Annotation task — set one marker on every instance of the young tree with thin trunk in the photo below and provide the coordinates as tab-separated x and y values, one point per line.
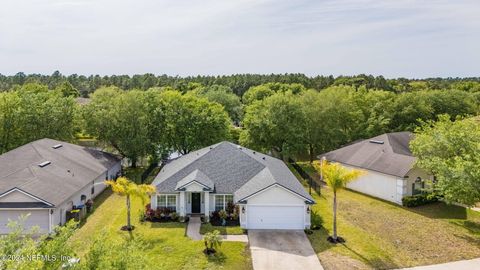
337	177
124	187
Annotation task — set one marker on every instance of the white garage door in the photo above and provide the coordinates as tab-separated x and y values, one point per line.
275	217
37	218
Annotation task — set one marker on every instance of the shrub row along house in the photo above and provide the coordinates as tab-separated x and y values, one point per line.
46	179
262	188
387	158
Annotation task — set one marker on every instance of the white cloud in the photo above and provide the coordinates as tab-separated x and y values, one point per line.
412	38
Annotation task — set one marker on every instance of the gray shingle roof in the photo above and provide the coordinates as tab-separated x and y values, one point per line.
232	169
392	157
72	167
197	176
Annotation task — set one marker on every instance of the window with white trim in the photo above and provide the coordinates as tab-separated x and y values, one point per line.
221	201
167	201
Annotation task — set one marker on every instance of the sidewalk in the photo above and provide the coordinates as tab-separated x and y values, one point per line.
193	231
459	265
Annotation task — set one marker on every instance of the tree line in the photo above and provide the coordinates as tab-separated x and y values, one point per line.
239	83
298	121
284	119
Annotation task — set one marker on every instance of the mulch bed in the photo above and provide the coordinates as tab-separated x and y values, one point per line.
165	220
218	222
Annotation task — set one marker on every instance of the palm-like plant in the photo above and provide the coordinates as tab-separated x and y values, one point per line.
124	187
337	177
212	241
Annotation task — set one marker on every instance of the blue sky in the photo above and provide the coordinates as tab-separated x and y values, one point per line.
410	38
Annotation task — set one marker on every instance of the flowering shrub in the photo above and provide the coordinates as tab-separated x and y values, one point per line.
160	214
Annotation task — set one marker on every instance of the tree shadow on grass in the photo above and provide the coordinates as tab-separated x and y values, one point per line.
440	210
218	258
376	262
471	226
471	239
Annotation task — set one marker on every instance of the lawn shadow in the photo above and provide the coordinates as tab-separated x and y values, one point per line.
376	262
440	210
218	258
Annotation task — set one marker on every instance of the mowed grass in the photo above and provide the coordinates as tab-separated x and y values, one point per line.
224	230
169	247
383	235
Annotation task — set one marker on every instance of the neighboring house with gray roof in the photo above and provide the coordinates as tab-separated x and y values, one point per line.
389	163
46	178
265	191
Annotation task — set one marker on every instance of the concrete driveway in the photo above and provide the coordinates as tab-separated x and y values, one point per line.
282	249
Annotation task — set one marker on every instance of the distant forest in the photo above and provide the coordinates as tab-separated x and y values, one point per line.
289	115
239	83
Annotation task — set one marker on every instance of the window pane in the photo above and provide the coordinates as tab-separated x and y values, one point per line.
228	198
161	201
172	202
218	202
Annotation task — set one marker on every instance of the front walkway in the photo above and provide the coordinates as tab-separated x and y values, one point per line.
193	231
193	228
459	265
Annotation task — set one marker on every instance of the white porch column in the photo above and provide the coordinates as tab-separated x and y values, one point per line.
182	203
207	205
153	201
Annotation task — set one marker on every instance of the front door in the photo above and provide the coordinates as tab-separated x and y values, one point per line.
195	202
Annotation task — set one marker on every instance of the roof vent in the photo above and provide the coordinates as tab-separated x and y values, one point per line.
254	152
239	147
43	164
263	158
376	142
56	146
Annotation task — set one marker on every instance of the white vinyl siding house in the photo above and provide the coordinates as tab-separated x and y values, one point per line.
47	178
265	192
390	168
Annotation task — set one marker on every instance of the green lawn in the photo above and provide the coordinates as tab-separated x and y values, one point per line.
224	230
170	248
384	235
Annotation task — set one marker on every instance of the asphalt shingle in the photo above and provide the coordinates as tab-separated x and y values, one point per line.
388	153
233	169
72	167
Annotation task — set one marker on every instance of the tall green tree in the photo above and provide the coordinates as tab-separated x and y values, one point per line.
275	124
450	150
33	112
192	122
121	120
67	89
263	91
224	96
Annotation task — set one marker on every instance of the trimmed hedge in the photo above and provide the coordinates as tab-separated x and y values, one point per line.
419	199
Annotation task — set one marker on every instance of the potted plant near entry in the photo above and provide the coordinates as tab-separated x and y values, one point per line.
223	215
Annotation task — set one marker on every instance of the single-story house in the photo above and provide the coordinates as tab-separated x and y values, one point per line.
389	163
46	178
262	187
